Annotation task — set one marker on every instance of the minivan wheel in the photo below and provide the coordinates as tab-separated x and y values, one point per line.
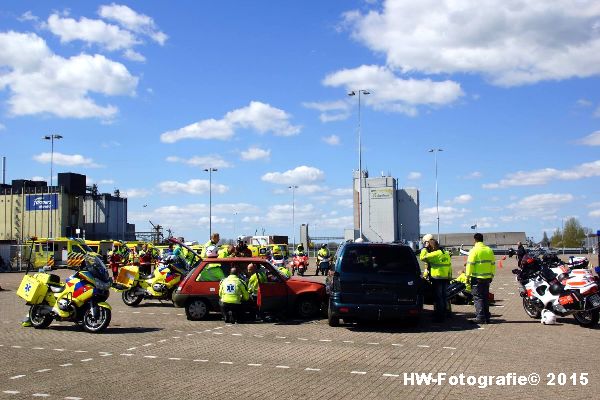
331	319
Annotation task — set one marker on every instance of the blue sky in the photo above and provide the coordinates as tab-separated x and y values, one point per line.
148	94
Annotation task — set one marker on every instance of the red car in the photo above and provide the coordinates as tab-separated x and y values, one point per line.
277	295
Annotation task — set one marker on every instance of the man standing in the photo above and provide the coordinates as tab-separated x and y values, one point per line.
520	253
481	267
439	266
214	241
231	293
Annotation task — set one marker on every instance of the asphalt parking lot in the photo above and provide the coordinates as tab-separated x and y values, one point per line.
154	351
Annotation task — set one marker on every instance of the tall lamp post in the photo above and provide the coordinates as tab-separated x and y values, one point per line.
354	93
51	138
437	195
235	213
293	187
210	171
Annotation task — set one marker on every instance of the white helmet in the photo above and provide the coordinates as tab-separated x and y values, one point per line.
427	237
548	317
212	252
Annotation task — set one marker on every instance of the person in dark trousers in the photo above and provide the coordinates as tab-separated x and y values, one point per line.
481	267
520	253
232	291
439	271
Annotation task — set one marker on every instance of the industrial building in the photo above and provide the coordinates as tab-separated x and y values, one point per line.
34	209
388	214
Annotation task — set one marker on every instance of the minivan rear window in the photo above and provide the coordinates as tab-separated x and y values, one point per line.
379	259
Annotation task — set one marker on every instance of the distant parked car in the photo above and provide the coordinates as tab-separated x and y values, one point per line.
278	295
374	281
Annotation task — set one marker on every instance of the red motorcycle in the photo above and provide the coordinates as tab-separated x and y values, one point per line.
299	264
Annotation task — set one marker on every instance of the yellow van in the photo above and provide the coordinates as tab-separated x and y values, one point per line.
57	252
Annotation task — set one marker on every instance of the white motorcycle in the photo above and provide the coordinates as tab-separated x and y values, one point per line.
560	290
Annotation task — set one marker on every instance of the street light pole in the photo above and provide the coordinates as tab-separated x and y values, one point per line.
235	213
51	139
437	195
210	171
354	93
293	187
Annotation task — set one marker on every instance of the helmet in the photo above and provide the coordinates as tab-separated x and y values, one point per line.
324	246
427	237
548	317
212	252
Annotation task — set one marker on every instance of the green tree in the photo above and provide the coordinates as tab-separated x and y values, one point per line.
545	241
573	235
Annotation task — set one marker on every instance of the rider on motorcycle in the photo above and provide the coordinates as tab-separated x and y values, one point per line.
322	254
299	250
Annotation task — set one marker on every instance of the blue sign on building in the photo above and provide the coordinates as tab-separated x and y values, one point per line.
38	202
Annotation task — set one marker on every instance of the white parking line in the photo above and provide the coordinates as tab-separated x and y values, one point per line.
147	344
236	334
162	341
254	365
17	376
176	337
136	312
58	349
87	359
200	360
217	333
11	391
391	375
280	337
397	344
226	362
40	395
105	354
174	358
73	398
282	366
510	293
43	370
17	347
348	341
126	354
449	348
80	351
422	345
131	348
301	338
312	369
373	343
65	365
358	372
149	356
38	348
324	340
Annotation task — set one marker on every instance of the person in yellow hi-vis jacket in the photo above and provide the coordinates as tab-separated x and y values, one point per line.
232	291
481	268
439	269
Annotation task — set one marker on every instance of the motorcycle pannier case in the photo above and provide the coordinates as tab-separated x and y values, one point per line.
32	290
127	275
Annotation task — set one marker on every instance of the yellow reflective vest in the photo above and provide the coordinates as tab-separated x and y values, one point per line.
211	273
285	272
254	281
481	262
440	265
462	278
232	290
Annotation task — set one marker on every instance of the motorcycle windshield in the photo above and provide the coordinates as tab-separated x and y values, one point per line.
97	270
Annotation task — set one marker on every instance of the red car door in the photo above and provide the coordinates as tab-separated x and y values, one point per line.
272	295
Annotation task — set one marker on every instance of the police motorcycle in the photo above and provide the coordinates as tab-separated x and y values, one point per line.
158	285
80	299
323	264
299	264
549	289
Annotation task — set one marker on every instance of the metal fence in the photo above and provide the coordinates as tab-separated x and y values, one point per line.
14	257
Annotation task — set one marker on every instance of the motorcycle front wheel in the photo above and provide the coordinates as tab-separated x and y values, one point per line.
98	324
40	317
131	299
531	309
587	319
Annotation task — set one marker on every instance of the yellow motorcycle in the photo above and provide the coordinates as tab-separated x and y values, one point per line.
80	299
159	285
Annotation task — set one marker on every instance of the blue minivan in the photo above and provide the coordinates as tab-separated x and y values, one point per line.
374	281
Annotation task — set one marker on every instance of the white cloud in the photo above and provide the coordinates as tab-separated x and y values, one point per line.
110	144
255	153
594	213
597	112
136	193
42	82
447	215
511	43
297	176
414	175
584	103
28	16
133	21
391	93
331	110
542	176
71	160
473	175
193	186
88	30
540	204
257	116
209	161
593	139
462	199
483	223
347	203
2	127
341	192
332	140
38	178
133	55
106	182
